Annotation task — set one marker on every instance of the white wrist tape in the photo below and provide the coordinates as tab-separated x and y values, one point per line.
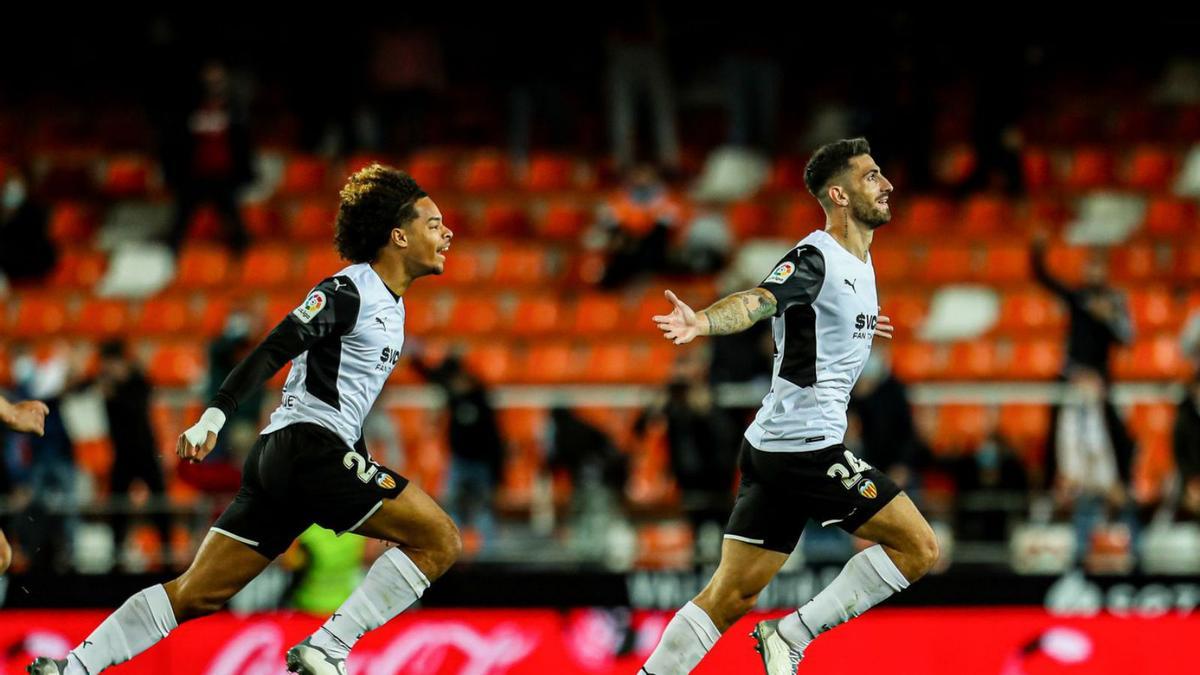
212	420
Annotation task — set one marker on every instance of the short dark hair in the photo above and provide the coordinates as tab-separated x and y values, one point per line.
829	160
374	201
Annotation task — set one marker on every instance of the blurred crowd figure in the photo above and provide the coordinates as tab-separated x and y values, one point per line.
636	226
476	446
26	252
207	156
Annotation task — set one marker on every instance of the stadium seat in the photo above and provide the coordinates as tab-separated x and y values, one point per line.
179	364
420	316
486	172
39	316
492	362
433	170
550	362
504	219
162	316
1137	262
126	176
751	219
961	426
521	264
261	219
608	363
1091	169
787	175
563	219
1004	264
1156	358
1037	168
1154	309
1035	359
318	263
466	264
916	361
1030	311
1187	263
539	314
312	221
1025	425
986	215
101	319
203	267
926	215
1150	168
303	175
972	360
549	172
474	315
71	223
801	216
906	309
266	268
1169	216
946	264
596	314
1067	263
79	268
891	263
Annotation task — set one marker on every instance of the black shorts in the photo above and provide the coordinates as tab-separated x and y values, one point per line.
780	491
300	475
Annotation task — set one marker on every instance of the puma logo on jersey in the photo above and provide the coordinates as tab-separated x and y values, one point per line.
382	324
337	285
851	284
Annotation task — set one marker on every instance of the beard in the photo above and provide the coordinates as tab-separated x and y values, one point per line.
869	213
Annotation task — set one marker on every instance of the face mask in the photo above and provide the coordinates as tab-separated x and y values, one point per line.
14	194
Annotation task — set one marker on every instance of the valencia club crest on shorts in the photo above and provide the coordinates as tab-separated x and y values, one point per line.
385	481
867	489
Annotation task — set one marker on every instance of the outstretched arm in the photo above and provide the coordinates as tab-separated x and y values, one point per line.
731	314
25	417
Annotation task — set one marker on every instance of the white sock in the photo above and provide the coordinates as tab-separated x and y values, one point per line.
136	626
688	637
869	578
392	584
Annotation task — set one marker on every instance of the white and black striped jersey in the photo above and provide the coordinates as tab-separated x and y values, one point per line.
824	324
343	341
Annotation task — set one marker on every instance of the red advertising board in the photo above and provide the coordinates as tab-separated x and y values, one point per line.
599	642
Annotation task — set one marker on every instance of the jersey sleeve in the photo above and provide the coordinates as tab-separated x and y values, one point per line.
797	279
330	310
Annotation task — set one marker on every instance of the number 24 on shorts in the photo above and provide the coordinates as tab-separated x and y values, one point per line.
849	479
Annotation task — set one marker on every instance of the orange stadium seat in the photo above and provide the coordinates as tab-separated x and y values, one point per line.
466	264
1135	262
40	316
1036	359
1153	310
986	215
961	425
946	264
504	219
1169	216
126	176
101	319
563	219
787	175
1004	264
177	364
1187	263
537	315
608	362
906	309
1037	167
303	175
71	223
312	221
493	363
750	219
1030	311
892	263
1157	358
79	268
916	361
927	215
203	267
801	216
164	316
261	219
596	314
1067	263
432	169
972	360
521	264
266	267
318	263
549	172
420	316
550	362
1025	425
475	315
214	314
1091	168
487	171
1150	168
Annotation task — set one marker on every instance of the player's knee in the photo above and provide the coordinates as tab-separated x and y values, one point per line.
452	545
5	555
726	604
926	550
189	602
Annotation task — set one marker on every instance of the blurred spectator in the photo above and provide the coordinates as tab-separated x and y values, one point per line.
26	252
206	157
43	468
1187	448
325	568
476	448
126	393
1189	339
1090	461
890	440
597	470
702	441
637	73
752	83
707	241
992	484
1099	318
636	225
